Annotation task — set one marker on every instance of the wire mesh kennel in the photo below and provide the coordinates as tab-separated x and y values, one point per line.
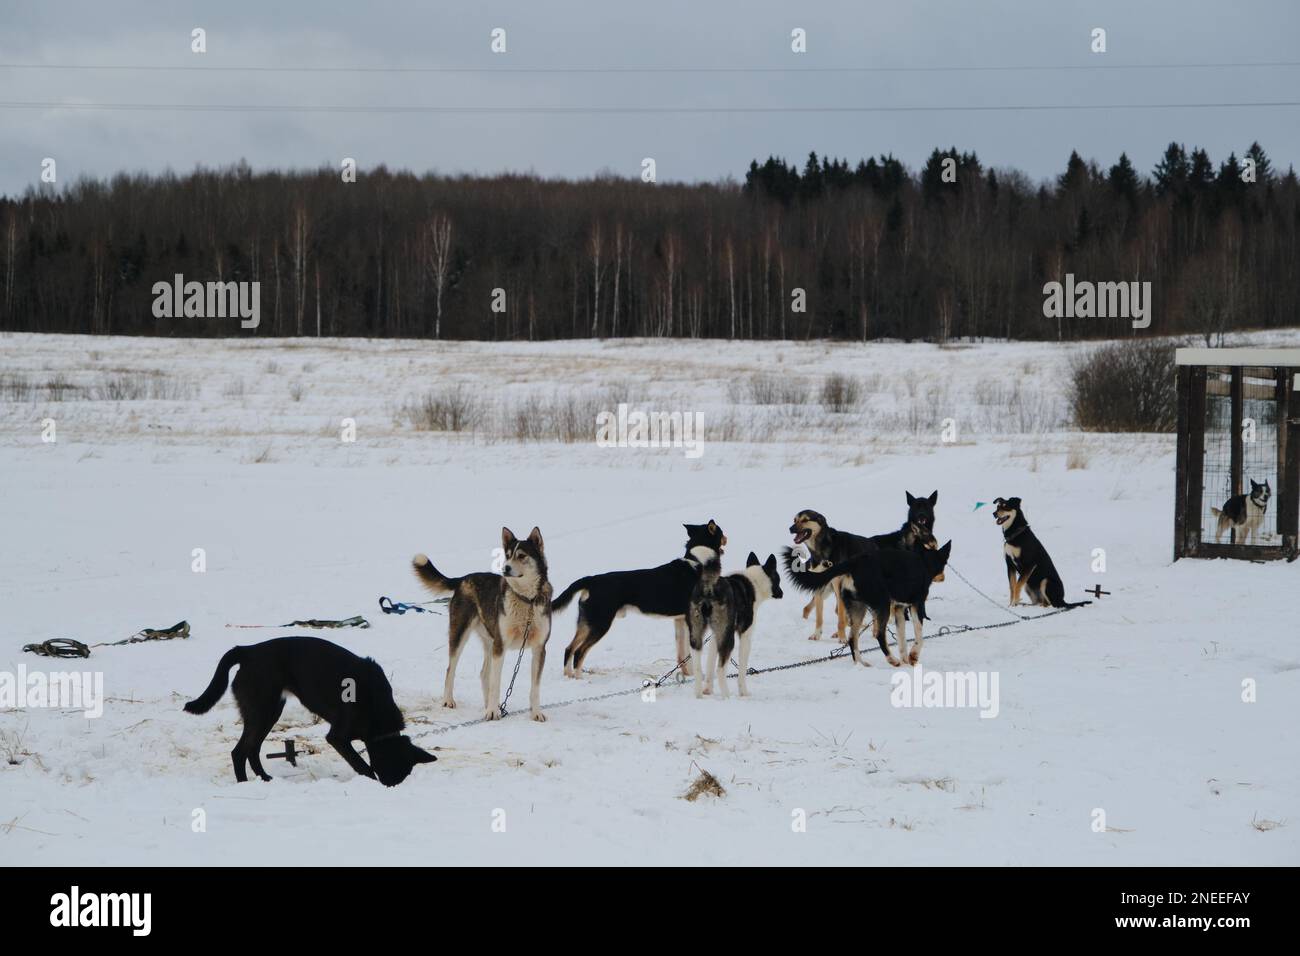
1238	435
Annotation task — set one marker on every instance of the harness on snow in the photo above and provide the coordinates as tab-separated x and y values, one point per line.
67	647
389	606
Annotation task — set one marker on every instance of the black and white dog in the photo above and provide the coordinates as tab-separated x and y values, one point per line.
727	606
1243	513
663	591
1029	566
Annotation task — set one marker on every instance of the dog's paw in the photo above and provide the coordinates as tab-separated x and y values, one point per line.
450	703
815	636
539	717
894	661
913	657
492	714
265	776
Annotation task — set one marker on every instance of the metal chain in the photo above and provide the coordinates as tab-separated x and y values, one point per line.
837	654
676	667
996	603
528	629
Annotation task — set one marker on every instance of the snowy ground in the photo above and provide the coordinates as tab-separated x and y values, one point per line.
1132	706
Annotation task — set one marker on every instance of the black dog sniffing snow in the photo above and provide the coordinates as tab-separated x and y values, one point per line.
351	693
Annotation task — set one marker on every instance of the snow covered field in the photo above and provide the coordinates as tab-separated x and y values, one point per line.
1132	706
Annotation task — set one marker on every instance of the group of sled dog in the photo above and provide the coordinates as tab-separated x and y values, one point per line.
885	575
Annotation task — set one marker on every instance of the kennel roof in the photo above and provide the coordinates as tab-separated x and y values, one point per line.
1269	358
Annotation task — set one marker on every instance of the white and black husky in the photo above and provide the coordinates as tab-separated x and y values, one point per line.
727	606
1243	513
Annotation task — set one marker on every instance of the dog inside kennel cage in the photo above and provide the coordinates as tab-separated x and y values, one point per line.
1238	459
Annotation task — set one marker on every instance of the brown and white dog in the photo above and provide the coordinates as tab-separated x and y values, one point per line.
507	610
885	582
827	546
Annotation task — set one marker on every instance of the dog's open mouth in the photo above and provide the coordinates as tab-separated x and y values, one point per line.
1001	518
802	535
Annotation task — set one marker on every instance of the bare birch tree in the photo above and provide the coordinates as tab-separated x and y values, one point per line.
595	247
439	262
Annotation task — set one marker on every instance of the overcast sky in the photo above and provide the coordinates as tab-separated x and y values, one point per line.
658	34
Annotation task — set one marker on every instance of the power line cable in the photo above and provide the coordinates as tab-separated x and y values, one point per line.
995	68
703	110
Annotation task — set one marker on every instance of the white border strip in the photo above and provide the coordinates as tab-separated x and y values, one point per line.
1266	357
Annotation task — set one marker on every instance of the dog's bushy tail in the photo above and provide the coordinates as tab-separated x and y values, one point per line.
561	602
433	579
1066	605
220	680
812	581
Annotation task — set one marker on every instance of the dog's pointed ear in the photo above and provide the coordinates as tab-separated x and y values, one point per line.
419	755
770	563
934	498
910	500
535	536
946	550
507	538
751	560
712	526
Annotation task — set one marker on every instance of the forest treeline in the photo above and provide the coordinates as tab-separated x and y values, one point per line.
878	250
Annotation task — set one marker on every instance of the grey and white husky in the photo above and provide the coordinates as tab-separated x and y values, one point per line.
727	606
1243	513
506	610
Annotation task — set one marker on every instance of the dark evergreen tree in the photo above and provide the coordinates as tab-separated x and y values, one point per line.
1075	176
1201	176
1172	172
812	183
1263	166
1123	178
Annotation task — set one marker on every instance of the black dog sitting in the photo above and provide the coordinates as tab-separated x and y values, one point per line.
1029	567
351	693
